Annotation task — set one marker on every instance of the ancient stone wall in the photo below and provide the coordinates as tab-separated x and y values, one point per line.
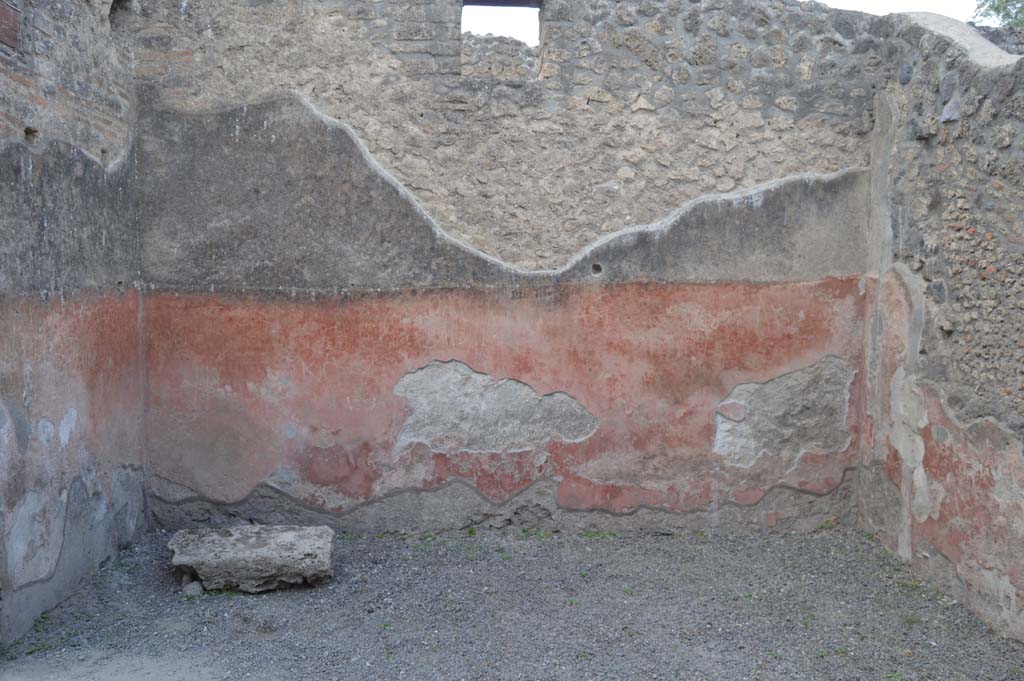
71	477
728	262
1007	39
632	110
595	387
71	473
950	319
497	58
64	76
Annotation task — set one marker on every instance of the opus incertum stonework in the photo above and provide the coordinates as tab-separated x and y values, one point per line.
688	264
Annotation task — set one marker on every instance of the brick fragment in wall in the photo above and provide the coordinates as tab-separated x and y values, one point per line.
64	75
10	26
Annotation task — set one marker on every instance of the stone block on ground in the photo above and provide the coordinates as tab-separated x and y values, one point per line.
255	558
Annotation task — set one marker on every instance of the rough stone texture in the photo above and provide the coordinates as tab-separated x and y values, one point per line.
308	208
873	177
948	365
69	79
1009	39
798	413
497	58
255	558
636	107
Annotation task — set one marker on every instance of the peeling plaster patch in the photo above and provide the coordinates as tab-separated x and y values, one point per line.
456	409
35	537
290	482
909	415
67	426
795	413
3	434
927	498
45	431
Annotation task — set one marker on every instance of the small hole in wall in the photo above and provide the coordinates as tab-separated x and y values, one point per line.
119	12
120	287
596	268
103	154
511	19
31	134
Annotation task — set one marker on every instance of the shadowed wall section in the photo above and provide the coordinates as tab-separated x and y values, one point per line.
71	474
70	444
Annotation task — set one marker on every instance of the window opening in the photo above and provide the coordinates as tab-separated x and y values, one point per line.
512	19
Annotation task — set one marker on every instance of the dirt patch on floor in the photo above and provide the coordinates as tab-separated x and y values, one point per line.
531	605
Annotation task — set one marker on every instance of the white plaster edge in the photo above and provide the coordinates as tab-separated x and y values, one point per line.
752	194
979	49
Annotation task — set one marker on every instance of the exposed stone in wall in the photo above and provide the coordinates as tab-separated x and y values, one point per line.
71	478
68	78
456	408
958	184
1008	39
950	362
636	108
497	58
308	208
318	394
805	411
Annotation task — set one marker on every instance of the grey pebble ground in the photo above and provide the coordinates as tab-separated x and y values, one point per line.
531	605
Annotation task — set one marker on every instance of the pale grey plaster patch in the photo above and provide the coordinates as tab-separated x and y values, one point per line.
457	409
797	412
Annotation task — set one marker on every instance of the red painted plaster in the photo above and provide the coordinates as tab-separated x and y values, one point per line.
240	386
81	353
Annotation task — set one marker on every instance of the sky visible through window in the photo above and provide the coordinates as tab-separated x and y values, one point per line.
523	23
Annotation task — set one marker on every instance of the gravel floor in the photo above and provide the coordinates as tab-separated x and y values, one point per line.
531	605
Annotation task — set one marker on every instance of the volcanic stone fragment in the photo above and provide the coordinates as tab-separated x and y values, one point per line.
255	558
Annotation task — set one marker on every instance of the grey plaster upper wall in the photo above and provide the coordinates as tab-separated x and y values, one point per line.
65	221
276	195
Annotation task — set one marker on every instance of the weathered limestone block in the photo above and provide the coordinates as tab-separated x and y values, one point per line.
255	558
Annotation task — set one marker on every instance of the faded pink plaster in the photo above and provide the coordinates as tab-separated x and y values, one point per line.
239	387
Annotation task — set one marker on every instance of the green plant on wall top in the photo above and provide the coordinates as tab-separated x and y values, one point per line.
1009	13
